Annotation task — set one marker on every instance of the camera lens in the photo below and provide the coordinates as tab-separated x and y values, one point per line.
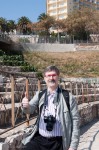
49	126
49	120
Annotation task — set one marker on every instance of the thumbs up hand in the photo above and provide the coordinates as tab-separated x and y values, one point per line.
25	101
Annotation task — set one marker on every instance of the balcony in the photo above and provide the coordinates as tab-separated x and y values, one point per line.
51	2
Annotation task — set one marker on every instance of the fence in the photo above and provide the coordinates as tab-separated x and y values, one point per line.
64	39
61	39
84	91
14	85
51	39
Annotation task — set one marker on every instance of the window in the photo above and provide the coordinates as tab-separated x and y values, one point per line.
62	10
53	13
62	17
53	6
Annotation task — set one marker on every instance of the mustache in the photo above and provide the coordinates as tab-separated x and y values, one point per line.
52	81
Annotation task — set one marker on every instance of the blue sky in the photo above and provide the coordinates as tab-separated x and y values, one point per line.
14	9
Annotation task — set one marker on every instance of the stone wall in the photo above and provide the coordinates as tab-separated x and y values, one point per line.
48	47
44	47
87	112
10	68
5	115
87	47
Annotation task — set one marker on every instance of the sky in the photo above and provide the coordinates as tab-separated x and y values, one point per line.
15	9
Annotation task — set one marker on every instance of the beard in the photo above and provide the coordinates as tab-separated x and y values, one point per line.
52	83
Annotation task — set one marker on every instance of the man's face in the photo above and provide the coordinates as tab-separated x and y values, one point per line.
51	79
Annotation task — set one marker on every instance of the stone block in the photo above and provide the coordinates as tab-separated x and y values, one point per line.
14	140
4	146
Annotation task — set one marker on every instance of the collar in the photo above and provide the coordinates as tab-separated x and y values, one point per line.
54	92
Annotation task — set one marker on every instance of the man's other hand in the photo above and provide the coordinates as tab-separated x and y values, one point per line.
25	102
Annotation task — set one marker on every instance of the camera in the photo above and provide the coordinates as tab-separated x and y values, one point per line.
49	120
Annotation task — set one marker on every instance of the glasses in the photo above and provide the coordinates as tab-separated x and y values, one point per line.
51	75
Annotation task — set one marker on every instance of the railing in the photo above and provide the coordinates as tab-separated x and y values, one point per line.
50	39
84	91
14	85
66	39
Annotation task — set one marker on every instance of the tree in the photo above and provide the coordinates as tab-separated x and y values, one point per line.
3	23
42	17
80	23
45	22
37	28
92	26
58	28
23	23
11	25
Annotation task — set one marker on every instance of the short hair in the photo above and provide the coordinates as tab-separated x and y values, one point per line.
51	68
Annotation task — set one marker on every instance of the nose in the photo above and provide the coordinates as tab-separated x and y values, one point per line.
51	77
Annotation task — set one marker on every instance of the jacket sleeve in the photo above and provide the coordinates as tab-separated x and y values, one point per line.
75	119
33	104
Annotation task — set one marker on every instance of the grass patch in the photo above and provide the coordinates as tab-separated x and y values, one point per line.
71	64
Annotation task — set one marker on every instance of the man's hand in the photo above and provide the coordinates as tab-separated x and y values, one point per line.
25	102
70	149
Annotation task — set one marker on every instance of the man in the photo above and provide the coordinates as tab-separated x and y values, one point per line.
57	127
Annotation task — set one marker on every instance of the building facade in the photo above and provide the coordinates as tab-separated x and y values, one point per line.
60	9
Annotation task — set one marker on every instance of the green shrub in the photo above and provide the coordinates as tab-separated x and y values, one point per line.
39	75
28	68
16	60
7	62
13	57
1	53
24	40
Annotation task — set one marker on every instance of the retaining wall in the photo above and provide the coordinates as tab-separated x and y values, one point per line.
44	47
48	47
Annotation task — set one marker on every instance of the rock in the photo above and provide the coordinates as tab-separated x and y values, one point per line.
4	146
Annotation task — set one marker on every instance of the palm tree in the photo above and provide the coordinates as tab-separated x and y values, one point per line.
45	22
22	24
11	25
42	16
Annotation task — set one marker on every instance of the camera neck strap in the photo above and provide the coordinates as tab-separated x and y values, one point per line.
46	102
